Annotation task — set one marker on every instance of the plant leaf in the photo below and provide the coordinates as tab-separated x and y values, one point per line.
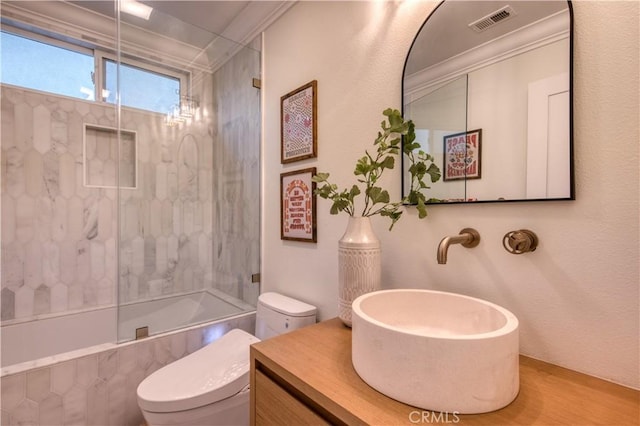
320	177
434	172
388	162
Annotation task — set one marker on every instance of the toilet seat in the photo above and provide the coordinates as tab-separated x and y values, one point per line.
185	384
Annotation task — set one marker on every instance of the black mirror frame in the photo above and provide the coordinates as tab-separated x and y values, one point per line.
572	189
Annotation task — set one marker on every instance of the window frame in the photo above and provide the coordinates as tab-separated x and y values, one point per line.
54	42
100	56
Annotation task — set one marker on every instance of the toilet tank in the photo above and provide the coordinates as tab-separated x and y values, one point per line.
279	314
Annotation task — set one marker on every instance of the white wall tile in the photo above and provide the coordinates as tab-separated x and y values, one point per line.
43	216
87	370
177	218
24	302
50	263
178	345
34	255
67	175
75	296
51	411
42	300
74	406
67	261
23	127
33	173
38	384
63	376
172	182
107	364
13	171
41	129
8	220
14	390
59	133
161	181
105	219
59	298
51	174
105	292
26	413
117	400
59	219
98	403
188	217
83	261
110	259
137	258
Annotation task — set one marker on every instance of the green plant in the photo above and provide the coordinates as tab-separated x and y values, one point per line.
369	170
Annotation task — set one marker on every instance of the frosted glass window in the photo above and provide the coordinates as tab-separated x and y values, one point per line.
141	88
42	66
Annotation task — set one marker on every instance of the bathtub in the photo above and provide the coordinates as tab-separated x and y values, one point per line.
54	338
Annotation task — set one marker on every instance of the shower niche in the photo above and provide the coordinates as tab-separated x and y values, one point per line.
109	157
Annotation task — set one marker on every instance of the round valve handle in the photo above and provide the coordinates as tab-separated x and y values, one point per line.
519	242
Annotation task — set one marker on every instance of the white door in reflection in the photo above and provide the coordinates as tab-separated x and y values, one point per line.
548	134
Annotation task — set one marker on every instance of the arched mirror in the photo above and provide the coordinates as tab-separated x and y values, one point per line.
488	86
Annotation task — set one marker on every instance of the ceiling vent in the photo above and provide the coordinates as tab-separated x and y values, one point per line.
493	18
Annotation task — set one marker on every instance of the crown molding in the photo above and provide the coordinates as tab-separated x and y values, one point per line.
530	37
75	24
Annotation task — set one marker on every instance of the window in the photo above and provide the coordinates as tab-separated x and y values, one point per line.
42	66
61	68
141	88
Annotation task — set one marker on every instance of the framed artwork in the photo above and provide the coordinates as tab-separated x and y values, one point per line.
298	124
298	206
462	155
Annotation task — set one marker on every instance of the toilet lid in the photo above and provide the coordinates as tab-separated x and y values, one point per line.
286	305
215	372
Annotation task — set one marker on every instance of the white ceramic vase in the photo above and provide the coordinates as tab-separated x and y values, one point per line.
359	264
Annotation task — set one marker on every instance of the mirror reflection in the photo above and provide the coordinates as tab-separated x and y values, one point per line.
488	86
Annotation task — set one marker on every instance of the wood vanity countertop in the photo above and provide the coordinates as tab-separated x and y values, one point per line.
316	361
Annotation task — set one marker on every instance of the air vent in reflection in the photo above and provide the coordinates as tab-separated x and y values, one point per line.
493	18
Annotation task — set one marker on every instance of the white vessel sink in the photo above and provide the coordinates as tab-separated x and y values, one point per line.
435	350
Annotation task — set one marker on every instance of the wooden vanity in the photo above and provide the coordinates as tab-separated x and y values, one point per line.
306	378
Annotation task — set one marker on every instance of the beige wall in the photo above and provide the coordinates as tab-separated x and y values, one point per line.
577	295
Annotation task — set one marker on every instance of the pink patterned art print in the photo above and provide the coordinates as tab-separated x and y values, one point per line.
462	155
299	124
298	206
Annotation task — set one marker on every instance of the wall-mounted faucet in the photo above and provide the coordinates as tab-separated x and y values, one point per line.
468	237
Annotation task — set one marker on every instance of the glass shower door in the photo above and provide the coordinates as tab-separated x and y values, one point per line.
188	243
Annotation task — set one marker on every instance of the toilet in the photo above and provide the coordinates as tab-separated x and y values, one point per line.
211	385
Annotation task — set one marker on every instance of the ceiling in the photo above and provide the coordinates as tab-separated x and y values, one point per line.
198	34
446	33
212	16
195	22
225	24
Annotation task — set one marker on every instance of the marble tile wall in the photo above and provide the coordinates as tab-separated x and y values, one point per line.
191	223
236	158
107	155
58	236
100	388
166	232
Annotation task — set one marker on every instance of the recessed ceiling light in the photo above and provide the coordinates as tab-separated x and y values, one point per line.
135	8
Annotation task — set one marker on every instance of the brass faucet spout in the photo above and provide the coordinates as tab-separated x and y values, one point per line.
468	237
